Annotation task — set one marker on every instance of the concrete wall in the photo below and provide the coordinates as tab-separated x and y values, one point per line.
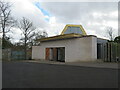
38	52
77	49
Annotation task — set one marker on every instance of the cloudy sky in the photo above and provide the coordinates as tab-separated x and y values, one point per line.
53	16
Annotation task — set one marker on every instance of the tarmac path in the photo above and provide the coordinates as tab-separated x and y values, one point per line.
41	75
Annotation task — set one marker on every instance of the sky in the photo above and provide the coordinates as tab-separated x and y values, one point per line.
53	16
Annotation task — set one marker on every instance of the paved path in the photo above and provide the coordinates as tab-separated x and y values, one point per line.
41	75
97	64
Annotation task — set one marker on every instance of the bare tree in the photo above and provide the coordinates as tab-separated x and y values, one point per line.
110	33
45	34
27	28
34	40
6	21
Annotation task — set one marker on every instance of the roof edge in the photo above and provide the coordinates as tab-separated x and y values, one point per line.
65	36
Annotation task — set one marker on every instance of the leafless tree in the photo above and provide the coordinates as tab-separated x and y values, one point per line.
34	40
27	28
6	21
110	33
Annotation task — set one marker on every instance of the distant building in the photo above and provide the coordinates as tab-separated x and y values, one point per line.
72	45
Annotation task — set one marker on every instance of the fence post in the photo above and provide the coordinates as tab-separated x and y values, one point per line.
111	51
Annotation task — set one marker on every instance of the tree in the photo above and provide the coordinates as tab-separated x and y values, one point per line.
6	21
110	33
7	43
27	28
36	36
45	34
117	39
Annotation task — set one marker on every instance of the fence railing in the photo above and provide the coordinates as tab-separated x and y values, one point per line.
108	52
9	54
111	52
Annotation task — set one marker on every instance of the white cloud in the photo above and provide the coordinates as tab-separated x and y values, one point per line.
52	20
46	17
114	14
54	28
27	9
16	34
93	16
78	0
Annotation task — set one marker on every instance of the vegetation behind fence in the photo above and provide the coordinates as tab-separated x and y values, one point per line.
111	52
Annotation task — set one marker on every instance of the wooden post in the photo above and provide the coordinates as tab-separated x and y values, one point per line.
47	53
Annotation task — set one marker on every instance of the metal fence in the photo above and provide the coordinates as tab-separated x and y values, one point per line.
18	55
111	52
108	52
9	54
6	54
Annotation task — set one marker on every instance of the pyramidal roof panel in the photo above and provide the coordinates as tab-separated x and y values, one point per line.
76	29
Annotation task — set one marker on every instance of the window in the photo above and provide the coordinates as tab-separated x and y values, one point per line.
73	30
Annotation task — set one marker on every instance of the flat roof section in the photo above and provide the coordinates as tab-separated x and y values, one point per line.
64	36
